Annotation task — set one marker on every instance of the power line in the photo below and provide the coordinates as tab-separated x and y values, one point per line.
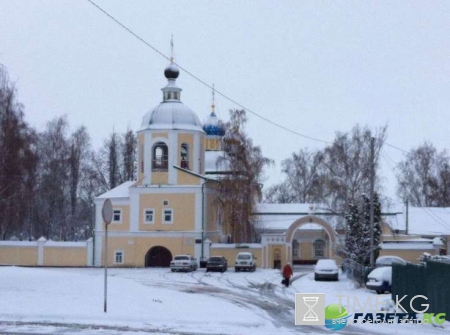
395	147
202	81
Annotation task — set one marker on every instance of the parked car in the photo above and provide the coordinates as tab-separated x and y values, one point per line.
183	263
245	261
326	269
380	279
216	263
388	261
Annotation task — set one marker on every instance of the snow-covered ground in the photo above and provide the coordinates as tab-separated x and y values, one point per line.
156	301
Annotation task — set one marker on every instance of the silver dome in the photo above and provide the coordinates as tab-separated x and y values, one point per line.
171	115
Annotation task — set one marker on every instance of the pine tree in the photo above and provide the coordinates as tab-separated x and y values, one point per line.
357	244
354	233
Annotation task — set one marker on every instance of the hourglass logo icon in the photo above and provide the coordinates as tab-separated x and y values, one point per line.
310	308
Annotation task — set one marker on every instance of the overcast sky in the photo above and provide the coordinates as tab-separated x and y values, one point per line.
316	67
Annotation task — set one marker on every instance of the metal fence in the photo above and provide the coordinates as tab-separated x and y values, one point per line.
431	279
357	272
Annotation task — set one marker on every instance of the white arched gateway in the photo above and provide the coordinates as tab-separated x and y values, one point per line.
277	247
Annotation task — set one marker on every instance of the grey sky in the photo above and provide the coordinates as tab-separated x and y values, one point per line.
313	66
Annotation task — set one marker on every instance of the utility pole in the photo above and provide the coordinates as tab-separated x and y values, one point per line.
372	186
407	216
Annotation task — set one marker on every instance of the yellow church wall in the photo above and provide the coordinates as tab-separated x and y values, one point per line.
185	178
212	217
162	134
124	225
54	256
183	206
161	178
408	255
212	143
306	251
135	248
398	237
12	255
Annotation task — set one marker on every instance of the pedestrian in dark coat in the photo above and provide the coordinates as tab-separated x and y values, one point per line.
287	274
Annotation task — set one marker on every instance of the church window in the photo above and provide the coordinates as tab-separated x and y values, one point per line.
319	248
118	257
295	246
167	216
184	152
160	161
149	215
117	216
175	96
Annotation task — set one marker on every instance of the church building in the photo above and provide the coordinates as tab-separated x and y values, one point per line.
170	209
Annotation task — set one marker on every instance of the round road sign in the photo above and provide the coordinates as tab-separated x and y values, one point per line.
107	211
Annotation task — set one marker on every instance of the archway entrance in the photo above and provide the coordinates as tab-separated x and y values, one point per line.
158	257
315	239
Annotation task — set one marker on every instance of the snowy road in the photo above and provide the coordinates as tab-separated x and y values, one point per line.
156	301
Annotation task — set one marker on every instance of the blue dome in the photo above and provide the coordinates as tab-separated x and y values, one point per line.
214	126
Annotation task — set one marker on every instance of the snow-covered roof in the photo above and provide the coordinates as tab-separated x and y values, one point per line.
211	162
120	191
171	115
266	208
422	221
281	216
405	245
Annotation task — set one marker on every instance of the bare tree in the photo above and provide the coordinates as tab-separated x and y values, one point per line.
241	188
279	193
54	179
79	152
347	165
302	174
334	176
17	161
424	177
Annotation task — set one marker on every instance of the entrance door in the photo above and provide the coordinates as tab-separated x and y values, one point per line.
158	257
277	258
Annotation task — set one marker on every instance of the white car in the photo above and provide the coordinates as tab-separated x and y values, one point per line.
389	260
326	269
245	261
183	263
380	279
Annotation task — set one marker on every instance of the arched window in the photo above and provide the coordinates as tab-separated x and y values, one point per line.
295	246
319	248
160	156
184	153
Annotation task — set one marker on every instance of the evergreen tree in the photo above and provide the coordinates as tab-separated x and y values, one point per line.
353	238
357	244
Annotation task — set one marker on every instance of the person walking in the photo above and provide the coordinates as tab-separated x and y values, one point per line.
287	274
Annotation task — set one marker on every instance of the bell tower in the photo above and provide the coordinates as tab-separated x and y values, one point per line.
171	138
